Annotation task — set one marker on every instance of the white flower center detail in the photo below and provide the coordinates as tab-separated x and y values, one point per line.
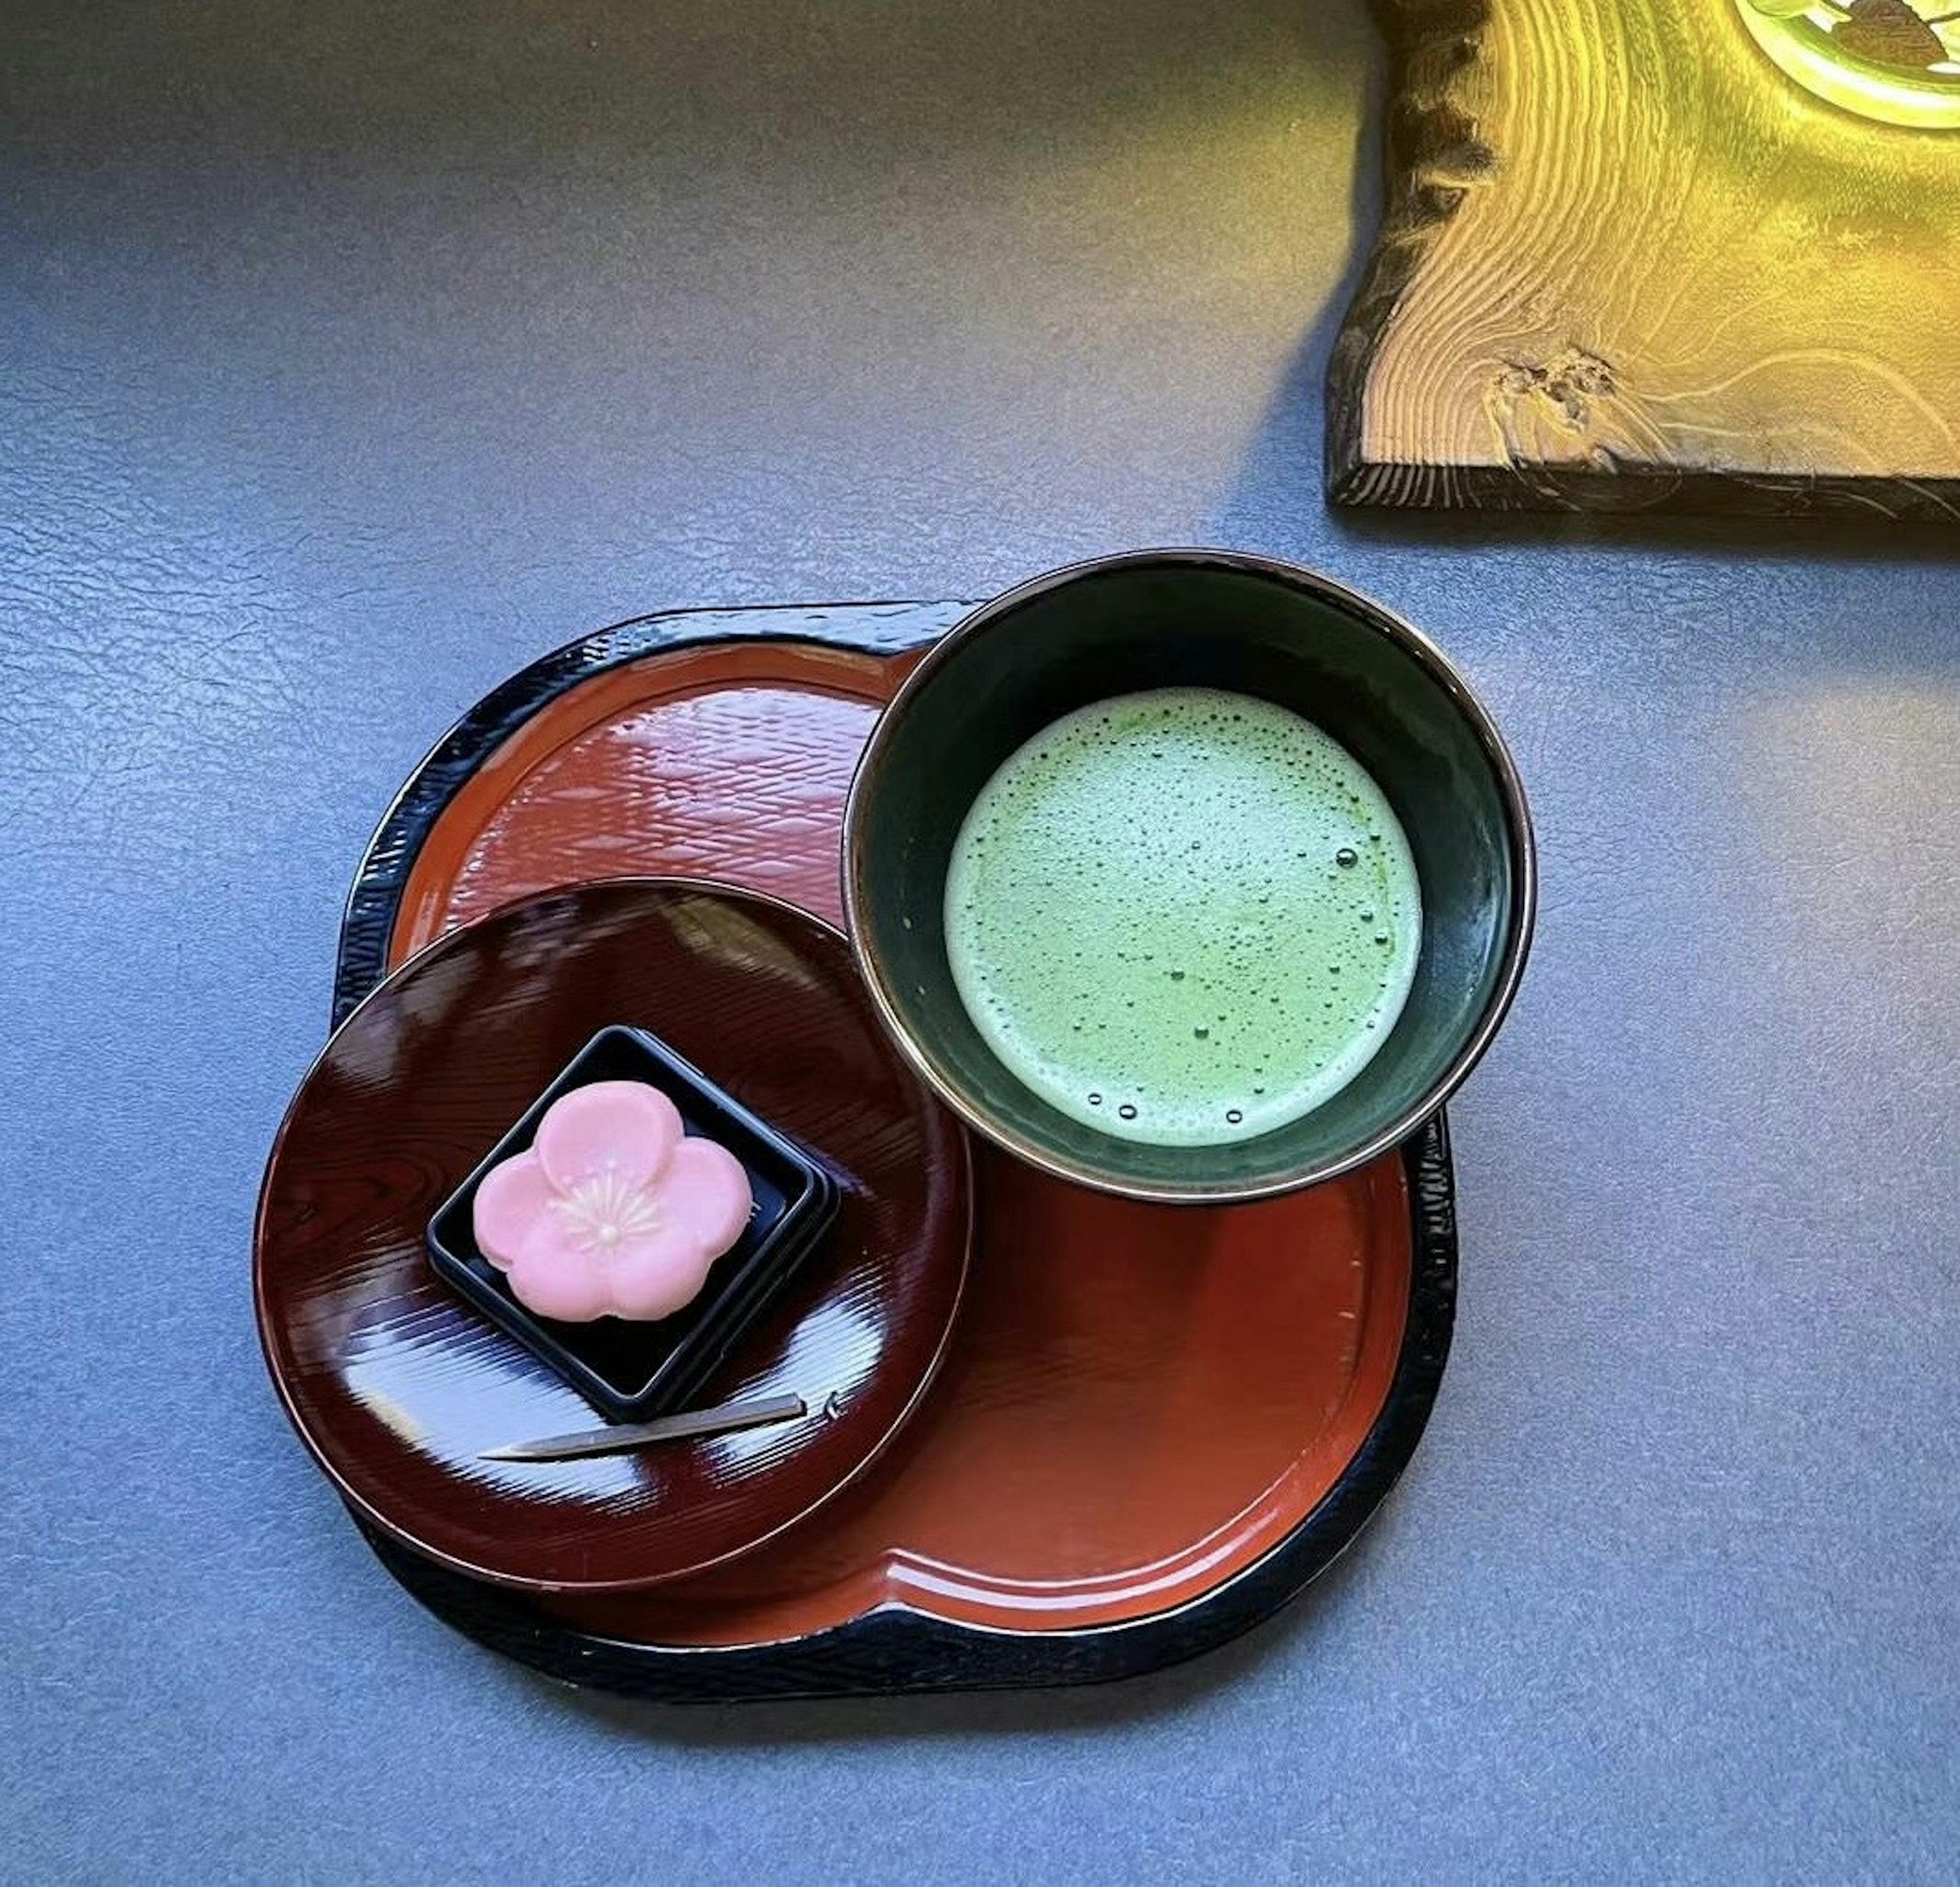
601	1213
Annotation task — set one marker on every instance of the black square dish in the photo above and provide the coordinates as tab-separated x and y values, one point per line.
630	1370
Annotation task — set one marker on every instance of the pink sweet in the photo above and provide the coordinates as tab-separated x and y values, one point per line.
613	1211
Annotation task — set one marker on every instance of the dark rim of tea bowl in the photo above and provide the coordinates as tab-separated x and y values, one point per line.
1214	619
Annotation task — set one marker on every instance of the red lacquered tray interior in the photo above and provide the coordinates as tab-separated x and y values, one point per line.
1139	1400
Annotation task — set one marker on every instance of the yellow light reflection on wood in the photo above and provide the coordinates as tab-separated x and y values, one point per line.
1626	263
1884	60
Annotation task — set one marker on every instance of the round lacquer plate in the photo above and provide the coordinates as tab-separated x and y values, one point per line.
399	1386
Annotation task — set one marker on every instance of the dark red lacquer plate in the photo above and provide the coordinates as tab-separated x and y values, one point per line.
399	1385
1153	1426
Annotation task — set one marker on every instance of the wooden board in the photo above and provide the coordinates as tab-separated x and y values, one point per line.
1626	263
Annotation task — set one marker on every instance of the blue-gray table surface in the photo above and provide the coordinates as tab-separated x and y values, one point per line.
352	356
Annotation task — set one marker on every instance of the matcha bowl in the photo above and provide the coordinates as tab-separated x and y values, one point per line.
1186	619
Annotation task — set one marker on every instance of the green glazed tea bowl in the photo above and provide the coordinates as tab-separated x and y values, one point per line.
1210	619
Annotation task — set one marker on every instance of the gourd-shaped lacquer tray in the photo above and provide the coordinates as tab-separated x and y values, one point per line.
1152	1426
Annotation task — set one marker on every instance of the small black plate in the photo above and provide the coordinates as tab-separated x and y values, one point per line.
630	1371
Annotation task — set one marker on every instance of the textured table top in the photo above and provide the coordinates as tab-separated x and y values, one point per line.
355	354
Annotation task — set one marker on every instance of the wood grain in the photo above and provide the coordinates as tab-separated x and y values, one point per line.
1626	263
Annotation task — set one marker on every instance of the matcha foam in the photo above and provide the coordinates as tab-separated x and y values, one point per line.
1186	917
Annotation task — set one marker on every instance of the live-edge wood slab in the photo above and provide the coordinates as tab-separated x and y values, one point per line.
1627	262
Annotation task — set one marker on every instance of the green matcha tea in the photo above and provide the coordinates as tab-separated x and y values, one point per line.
1186	917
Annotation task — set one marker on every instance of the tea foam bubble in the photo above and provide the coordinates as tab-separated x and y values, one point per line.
1185	917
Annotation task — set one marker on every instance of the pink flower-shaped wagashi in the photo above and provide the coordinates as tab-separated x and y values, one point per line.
613	1212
